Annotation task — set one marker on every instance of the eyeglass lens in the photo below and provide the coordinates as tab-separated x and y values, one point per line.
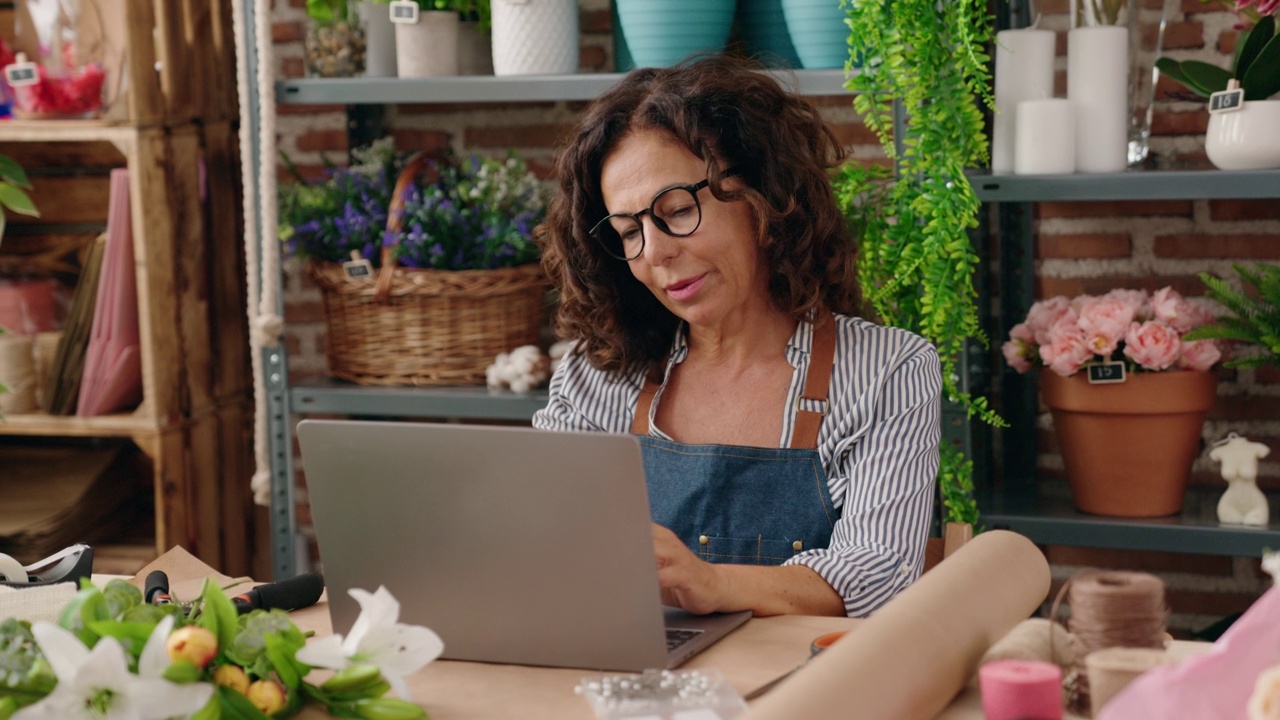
675	211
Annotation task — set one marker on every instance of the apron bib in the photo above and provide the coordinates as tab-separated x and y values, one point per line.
736	504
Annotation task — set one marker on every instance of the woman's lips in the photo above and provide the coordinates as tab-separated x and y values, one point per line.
685	289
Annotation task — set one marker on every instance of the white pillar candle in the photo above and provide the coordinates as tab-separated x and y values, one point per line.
1097	84
379	40
1046	137
1024	71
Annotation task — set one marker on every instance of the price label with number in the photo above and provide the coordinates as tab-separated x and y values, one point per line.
1226	101
1107	372
404	12
22	73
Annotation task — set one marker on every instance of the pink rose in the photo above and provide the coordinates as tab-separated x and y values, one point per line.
1105	320
1066	349
1154	345
1015	353
1022	331
1199	355
1043	314
1137	299
1168	306
1198	313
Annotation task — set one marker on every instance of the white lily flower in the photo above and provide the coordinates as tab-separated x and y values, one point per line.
377	638
97	685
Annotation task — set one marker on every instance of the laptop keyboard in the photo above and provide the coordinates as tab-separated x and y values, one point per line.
677	637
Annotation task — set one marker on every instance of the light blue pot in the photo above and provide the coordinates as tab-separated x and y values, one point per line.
661	33
622	61
764	32
818	32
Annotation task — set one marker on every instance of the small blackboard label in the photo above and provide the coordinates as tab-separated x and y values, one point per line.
1107	372
22	73
356	269
404	12
1226	101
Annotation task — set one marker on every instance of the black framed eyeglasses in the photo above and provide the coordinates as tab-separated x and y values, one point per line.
675	210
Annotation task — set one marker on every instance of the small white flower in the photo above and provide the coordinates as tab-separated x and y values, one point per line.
97	684
377	638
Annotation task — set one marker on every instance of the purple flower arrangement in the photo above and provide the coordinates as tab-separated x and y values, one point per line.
477	214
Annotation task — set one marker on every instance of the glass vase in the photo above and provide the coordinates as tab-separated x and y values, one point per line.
1146	24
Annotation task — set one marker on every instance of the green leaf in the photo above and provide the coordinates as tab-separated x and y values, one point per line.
1263	77
181	672
12	173
237	707
17	200
1205	77
132	635
1249	43
280	654
218	615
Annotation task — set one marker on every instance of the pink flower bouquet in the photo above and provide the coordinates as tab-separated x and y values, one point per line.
1143	330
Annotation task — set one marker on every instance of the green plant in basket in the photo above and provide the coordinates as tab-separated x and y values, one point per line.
1255	64
479	215
112	656
346	211
1254	319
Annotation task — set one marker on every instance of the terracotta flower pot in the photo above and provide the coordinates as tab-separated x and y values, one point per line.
1128	447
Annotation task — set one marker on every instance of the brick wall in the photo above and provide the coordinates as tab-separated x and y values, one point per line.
1081	247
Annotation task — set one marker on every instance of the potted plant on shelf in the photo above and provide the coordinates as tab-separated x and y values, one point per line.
444	275
1128	392
427	40
13	196
1242	135
335	42
916	262
1252	324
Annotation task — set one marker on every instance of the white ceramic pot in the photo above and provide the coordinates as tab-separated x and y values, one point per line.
429	47
1246	139
535	37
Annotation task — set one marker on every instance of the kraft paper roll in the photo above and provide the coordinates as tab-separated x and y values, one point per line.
1024	71
911	658
1098	86
1111	669
1021	689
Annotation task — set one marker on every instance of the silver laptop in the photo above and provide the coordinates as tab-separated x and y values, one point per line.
514	545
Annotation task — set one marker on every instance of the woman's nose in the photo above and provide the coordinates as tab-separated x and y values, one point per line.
659	246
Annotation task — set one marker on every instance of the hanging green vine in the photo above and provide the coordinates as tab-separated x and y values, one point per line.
917	263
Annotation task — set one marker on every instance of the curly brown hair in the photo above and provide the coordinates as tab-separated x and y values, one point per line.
741	122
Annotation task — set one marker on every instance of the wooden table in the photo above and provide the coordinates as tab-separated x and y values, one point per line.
752	655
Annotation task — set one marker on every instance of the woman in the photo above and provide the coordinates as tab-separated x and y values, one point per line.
707	277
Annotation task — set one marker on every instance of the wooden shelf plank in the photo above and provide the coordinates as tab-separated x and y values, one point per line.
122	425
65	131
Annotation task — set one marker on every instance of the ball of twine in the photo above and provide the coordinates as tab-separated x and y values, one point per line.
18	374
1033	639
1111	609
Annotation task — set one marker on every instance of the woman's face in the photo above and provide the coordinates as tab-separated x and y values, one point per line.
713	277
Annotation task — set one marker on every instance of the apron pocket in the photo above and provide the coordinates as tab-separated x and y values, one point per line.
757	550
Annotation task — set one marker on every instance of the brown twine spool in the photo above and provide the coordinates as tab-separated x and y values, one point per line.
1110	609
1111	669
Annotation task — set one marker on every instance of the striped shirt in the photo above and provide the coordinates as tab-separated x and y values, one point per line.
878	445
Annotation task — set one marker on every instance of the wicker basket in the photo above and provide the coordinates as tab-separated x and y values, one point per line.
407	326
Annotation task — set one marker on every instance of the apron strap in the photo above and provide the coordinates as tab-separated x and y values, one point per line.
816	384
822	357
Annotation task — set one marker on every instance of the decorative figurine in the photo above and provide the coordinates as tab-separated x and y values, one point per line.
1243	503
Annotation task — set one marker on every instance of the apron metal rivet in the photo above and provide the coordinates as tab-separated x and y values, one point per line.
703	539
797	546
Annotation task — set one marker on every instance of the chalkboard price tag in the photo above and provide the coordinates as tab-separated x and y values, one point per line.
404	12
357	267
1226	101
1107	372
22	73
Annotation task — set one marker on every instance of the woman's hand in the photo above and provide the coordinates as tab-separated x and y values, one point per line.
686	581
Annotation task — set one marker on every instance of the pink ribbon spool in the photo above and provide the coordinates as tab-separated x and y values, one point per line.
1021	690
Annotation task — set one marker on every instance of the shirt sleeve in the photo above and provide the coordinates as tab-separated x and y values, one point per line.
888	468
583	399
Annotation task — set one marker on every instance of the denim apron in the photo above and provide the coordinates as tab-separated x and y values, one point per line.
751	505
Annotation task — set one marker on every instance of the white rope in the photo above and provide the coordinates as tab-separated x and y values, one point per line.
262	278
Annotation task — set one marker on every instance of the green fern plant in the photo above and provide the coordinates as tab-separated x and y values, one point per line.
1254	320
1255	64
916	262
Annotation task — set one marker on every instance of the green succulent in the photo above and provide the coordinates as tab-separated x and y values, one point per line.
1256	65
327	11
1254	319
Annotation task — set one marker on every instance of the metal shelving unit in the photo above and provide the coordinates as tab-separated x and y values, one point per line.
1023	502
470	403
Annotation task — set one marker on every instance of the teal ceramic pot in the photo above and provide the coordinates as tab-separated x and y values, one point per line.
764	32
818	32
661	33
622	61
